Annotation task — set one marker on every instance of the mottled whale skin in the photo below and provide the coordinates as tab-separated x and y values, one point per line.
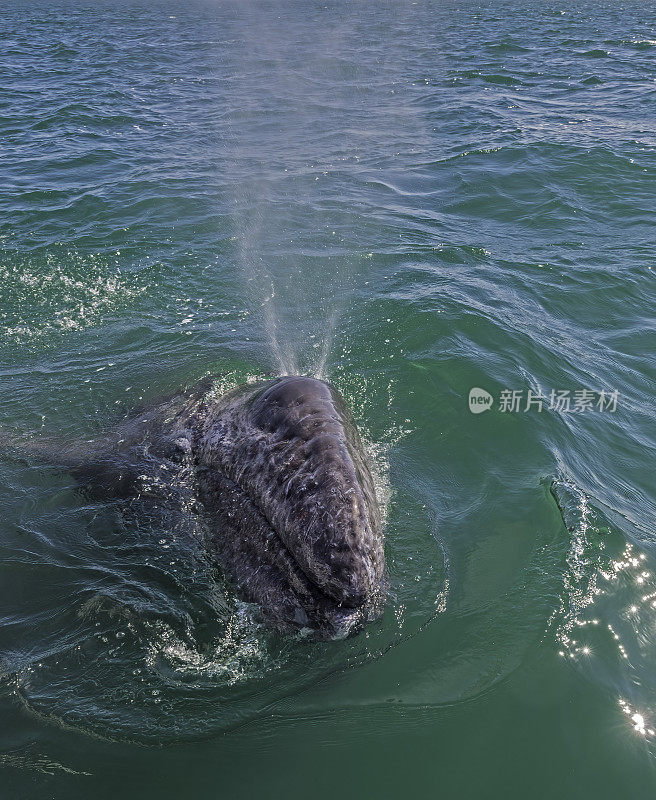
278	472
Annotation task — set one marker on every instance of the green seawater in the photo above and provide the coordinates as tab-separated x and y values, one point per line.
410	200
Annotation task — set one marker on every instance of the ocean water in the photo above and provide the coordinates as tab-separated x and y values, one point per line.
410	200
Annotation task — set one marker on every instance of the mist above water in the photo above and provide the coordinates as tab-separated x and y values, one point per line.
306	115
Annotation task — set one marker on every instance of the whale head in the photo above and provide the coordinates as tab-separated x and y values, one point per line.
292	454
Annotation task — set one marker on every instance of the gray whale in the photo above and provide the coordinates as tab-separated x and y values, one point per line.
278	473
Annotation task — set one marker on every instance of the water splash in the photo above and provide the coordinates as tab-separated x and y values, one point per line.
239	655
58	292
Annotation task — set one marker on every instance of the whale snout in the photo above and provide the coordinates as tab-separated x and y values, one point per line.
345	557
